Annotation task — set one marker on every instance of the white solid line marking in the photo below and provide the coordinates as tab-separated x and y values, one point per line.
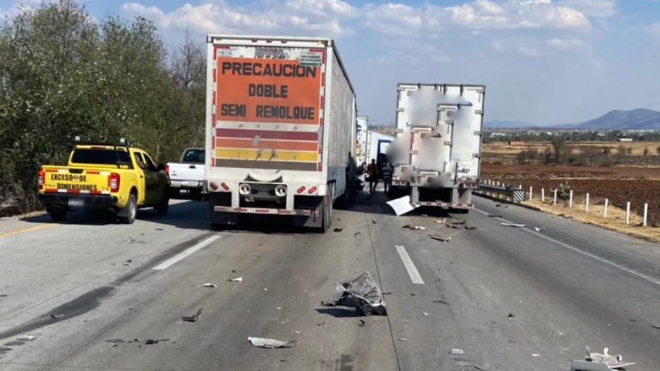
410	266
167	263
618	266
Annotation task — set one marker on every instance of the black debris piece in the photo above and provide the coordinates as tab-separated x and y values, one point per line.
194	317
339	229
494	215
361	292
362	323
445	302
511	315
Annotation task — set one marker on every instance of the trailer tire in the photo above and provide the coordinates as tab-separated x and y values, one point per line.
326	214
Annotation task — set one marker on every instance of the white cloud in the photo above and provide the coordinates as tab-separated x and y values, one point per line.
393	19
592	8
565	44
291	16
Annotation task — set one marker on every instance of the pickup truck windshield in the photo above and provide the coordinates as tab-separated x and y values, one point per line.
101	157
193	156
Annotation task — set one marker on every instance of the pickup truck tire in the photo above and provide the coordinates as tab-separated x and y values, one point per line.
164	204
131	209
57	214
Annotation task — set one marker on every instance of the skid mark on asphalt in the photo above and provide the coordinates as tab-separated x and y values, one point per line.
597	258
415	277
173	260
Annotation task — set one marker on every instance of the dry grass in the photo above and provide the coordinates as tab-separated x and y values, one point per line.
637	148
615	221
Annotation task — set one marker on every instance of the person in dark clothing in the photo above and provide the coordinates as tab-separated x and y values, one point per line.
386	174
372	174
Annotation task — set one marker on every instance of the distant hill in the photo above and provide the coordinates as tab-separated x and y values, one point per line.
503	124
637	119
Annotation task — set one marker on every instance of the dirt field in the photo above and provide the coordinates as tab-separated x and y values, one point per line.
619	185
503	148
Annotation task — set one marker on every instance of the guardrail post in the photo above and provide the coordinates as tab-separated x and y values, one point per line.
646	211
628	213
530	192
542	194
586	208
570	199
554	198
605	208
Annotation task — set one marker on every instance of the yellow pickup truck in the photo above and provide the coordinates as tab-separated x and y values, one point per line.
104	177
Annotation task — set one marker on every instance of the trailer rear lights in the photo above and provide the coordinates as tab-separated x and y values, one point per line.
244	189
312	190
301	189
213	186
280	190
224	186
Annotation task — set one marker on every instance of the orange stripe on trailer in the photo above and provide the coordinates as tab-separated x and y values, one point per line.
50	190
50	170
93	172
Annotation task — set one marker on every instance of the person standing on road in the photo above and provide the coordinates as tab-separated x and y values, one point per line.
372	173
386	174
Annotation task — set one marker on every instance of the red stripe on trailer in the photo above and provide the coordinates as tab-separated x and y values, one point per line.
262	211
74	191
213	93
267	134
50	190
95	192
284	212
240	210
319	166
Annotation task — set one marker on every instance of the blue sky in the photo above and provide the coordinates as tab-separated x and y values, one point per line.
543	61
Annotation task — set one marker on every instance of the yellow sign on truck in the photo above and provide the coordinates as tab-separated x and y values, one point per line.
104	177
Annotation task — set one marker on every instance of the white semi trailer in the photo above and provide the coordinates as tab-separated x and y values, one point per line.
280	129
437	151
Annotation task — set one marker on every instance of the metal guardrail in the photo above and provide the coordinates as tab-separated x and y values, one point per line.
515	195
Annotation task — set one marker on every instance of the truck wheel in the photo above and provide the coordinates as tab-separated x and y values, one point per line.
131	209
164	204
57	214
327	211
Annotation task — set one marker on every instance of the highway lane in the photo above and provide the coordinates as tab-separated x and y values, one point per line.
509	298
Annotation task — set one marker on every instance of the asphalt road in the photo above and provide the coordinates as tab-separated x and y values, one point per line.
90	294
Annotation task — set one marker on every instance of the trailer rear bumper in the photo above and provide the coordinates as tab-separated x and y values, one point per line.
444	205
264	211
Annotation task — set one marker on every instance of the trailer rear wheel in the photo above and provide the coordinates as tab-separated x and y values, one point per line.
326	212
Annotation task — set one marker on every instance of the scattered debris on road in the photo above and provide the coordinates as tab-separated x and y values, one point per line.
426	313
363	292
511	315
321	324
362	323
373	222
600	362
539	229
514	225
237	279
457	351
494	215
271	343
536	355
57	316
458	222
657	327
440	302
401	205
439	238
414	227
440	221
356	234
115	341
213	285
479	368
26	338
470	227
402	339
339	229
194	317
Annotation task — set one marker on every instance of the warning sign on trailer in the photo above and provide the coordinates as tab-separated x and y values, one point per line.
268	90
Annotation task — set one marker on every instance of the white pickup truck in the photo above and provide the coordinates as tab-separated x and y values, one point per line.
188	174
